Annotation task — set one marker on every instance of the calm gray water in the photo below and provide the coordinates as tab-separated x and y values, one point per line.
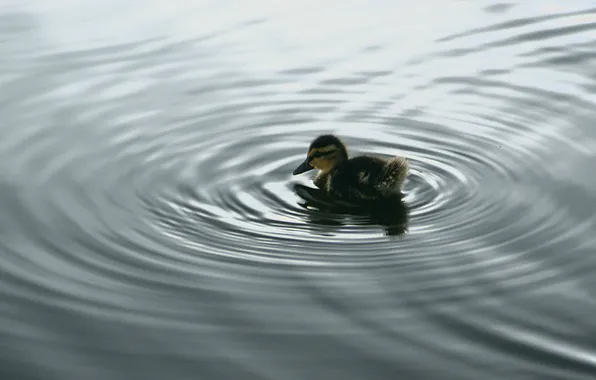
151	227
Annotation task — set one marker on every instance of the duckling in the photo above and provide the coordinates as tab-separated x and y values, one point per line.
358	178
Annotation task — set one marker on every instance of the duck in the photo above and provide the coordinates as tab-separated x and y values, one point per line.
362	178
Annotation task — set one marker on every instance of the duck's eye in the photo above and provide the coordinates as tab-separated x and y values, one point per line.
320	154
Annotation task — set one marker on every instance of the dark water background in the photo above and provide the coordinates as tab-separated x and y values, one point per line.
151	229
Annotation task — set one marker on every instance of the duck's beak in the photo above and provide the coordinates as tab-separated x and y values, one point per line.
304	167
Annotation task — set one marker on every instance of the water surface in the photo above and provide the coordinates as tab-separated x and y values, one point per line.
151	227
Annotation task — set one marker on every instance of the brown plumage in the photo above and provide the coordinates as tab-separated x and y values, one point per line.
358	178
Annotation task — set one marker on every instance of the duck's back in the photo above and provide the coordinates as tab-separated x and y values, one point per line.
393	175
368	177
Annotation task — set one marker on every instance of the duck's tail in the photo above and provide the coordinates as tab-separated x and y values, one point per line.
393	176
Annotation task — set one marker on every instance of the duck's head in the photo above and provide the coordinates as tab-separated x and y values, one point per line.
324	153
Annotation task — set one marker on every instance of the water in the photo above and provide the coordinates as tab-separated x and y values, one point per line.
151	227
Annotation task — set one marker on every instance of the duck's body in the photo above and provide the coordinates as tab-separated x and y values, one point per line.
358	178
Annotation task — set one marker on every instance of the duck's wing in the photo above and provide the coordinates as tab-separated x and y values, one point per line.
357	178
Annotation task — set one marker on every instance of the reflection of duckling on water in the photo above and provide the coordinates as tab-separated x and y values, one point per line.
327	215
358	178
